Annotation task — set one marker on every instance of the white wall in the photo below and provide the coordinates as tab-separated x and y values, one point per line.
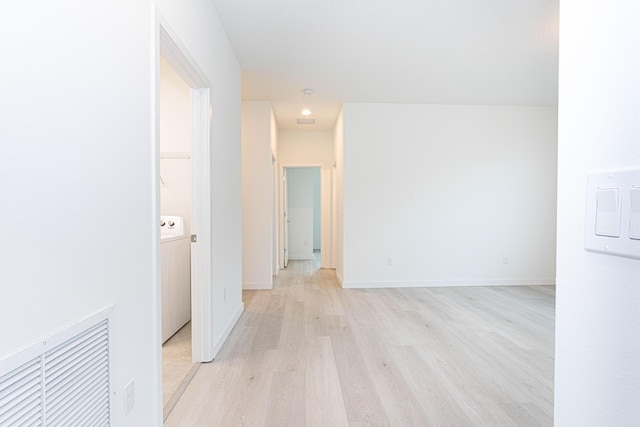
275	185
175	138
302	211
314	148
597	379
257	195
77	113
446	193
306	148
338	197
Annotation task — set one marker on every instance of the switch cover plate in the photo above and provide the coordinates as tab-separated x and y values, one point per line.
613	213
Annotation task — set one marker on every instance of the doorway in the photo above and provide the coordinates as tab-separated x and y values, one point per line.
302	218
192	148
175	211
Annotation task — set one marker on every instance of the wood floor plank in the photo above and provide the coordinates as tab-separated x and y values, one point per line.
400	404
286	400
268	334
309	353
436	400
249	407
291	354
361	399
325	404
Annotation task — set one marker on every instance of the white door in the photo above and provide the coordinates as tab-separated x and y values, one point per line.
201	281
285	218
301	192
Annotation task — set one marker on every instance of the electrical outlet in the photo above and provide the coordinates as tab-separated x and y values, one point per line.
505	260
129	397
389	261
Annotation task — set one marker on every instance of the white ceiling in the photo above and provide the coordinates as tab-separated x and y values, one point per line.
494	52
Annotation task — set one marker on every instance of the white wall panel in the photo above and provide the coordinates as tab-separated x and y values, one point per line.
257	195
78	135
597	379
449	195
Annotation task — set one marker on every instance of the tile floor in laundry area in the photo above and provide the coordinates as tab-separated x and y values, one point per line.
176	362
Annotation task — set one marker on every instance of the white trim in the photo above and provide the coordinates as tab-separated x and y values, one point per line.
166	44
201	280
443	283
256	286
156	267
221	340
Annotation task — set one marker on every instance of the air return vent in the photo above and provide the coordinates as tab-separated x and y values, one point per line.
62	380
306	121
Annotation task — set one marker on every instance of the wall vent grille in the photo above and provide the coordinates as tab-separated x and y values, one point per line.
66	384
21	395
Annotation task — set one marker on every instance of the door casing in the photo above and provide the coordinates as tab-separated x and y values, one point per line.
168	46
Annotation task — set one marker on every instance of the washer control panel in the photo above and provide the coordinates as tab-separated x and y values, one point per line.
171	225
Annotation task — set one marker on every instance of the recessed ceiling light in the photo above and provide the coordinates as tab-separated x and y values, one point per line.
305	112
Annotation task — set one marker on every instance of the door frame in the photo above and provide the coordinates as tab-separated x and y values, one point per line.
168	46
284	216
326	212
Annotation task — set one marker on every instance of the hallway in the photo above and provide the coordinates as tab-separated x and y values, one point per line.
311	353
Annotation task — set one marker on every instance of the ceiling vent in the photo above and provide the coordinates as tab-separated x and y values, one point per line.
306	121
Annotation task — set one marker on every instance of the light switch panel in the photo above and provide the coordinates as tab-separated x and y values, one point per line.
612	222
634	228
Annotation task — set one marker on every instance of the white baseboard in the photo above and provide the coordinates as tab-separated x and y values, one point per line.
444	283
228	329
256	286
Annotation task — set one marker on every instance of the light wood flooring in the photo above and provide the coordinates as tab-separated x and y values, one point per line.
311	353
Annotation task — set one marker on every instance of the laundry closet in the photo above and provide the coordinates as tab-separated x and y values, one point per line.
175	200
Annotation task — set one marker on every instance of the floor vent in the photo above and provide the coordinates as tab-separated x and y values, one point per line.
61	381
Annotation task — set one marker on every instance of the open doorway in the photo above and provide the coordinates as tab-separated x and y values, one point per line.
302	217
188	168
175	226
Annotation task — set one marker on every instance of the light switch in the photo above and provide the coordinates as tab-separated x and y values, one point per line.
634	231
608	212
612	220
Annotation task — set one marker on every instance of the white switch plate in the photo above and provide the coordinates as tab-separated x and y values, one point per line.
612	233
